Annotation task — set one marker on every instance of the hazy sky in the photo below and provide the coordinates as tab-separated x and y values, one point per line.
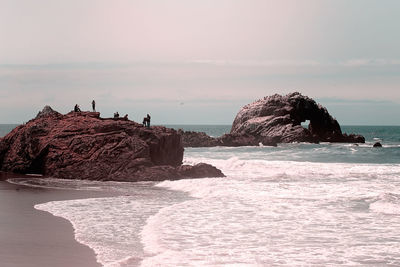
199	61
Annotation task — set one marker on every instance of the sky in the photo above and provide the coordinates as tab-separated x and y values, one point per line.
199	61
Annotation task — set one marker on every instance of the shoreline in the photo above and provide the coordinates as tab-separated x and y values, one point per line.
30	237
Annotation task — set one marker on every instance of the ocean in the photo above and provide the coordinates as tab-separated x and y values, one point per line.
296	204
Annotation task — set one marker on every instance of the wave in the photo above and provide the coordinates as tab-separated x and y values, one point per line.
278	213
97	224
265	212
109	225
82	185
387	203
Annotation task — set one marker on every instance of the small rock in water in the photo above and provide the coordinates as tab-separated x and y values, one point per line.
377	144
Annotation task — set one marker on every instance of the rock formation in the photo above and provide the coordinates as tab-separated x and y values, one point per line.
197	139
81	145
201	139
377	144
277	119
280	117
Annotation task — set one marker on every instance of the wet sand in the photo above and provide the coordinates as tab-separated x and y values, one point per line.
29	237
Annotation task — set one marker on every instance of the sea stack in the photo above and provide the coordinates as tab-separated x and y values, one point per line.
82	145
279	118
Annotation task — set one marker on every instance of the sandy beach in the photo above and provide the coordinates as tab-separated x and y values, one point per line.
29	237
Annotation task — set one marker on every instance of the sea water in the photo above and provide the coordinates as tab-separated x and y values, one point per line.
293	205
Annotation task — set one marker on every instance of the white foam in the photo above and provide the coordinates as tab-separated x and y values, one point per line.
388	203
76	184
111	226
264	213
98	224
281	213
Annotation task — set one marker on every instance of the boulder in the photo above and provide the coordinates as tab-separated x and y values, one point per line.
377	144
81	145
199	170
279	118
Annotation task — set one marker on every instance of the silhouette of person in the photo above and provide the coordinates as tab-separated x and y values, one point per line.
148	120
116	115
94	105
76	108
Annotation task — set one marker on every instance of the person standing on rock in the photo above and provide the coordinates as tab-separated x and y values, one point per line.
148	120
94	105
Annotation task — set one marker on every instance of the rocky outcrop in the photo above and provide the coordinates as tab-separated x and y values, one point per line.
199	170
81	145
165	172
279	118
201	139
47	111
197	139
276	119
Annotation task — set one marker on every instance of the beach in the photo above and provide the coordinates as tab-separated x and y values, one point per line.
199	133
30	237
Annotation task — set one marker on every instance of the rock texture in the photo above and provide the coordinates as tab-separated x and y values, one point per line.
279	118
201	139
81	145
276	119
197	139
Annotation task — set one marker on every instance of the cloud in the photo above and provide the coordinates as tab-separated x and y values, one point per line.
362	111
352	102
357	62
257	63
363	62
223	85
